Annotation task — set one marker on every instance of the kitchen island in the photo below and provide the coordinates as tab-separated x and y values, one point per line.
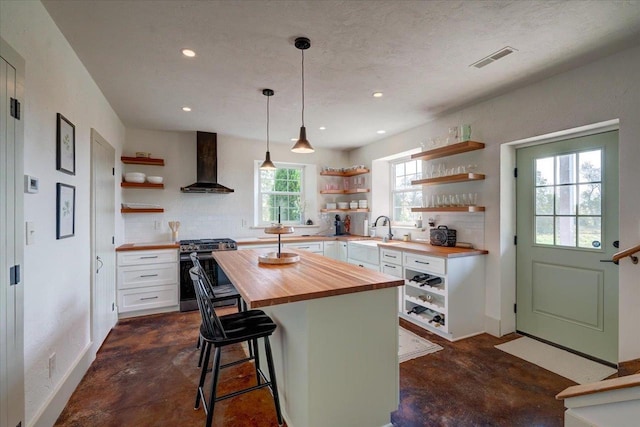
336	346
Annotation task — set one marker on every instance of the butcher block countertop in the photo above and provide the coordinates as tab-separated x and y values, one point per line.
427	249
147	246
314	276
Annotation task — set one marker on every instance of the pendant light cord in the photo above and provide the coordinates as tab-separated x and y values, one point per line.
268	123
302	50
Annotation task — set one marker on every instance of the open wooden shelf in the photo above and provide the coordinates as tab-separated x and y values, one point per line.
141	185
460	177
344	210
449	150
451	209
142	161
353	172
352	191
142	210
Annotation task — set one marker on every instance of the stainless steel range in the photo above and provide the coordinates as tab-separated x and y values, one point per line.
203	247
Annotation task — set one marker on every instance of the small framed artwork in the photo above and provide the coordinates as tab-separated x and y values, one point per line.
66	146
65	211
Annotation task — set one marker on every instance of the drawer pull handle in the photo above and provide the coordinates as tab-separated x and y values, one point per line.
143	299
422	262
303	247
390	266
149	257
391	256
149	275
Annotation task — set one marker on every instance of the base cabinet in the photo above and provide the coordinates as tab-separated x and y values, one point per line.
391	263
444	295
147	282
335	249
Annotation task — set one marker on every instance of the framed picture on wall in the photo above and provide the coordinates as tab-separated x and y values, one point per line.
65	211
66	146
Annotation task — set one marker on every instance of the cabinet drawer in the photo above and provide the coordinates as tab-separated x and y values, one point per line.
425	263
147	275
363	264
147	257
309	246
390	256
147	298
392	269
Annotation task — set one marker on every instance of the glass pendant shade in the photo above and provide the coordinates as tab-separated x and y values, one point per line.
302	145
267	164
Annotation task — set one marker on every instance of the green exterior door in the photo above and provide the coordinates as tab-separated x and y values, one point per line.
567	222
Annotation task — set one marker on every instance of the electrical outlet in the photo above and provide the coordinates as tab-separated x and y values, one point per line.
52	364
244	223
157	225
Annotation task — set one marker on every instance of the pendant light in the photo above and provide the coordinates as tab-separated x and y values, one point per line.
302	145
267	164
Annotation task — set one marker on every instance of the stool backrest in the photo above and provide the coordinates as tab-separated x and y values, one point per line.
201	271
210	322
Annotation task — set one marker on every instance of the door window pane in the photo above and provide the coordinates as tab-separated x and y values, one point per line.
566	169
589	232
566	231
590	199
566	200
544	171
590	166
544	201
544	230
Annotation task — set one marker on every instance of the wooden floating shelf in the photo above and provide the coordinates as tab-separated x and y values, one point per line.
142	161
353	172
451	209
354	191
344	210
141	185
449	150
142	210
460	177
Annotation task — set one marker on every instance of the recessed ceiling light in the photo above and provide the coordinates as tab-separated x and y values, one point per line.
322	128
188	52
186	108
377	94
382	131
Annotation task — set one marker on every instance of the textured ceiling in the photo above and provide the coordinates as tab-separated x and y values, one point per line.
417	52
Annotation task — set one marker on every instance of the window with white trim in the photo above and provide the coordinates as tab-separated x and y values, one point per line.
281	191
404	196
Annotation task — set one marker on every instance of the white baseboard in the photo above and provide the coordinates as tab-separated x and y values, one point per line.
53	406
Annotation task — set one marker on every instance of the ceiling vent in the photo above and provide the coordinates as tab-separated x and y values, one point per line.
493	57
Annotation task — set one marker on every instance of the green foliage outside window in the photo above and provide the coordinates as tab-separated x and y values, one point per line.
281	191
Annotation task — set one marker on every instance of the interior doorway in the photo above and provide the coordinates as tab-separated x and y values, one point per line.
103	262
11	241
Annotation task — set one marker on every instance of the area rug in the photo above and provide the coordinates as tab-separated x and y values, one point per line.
411	346
558	361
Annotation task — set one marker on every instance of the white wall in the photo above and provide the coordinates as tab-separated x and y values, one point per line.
206	215
606	89
56	272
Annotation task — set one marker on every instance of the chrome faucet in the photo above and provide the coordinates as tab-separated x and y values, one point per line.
388	221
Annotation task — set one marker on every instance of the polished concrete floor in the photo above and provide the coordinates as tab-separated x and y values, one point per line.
145	375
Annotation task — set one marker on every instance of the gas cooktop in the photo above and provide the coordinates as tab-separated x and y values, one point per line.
206	245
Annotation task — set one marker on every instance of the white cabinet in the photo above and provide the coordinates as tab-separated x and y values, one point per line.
147	281
391	263
315	247
335	249
444	295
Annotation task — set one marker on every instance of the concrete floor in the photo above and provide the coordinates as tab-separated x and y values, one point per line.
145	374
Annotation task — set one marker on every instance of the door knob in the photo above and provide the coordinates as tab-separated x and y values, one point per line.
609	260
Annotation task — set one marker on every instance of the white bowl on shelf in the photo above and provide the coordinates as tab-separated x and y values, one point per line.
155	179
343	205
135	177
331	206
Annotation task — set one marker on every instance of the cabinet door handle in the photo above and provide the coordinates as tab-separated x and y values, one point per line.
148	275
144	299
149	257
422	262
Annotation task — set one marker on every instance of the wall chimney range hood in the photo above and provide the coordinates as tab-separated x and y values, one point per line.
206	166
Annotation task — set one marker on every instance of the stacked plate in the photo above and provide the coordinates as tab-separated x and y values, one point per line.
136	177
363	204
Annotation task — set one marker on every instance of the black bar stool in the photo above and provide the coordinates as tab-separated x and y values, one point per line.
220	293
220	331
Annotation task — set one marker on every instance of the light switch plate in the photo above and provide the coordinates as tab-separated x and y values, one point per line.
31	184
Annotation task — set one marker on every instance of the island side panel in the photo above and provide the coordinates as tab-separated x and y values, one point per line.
338	357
